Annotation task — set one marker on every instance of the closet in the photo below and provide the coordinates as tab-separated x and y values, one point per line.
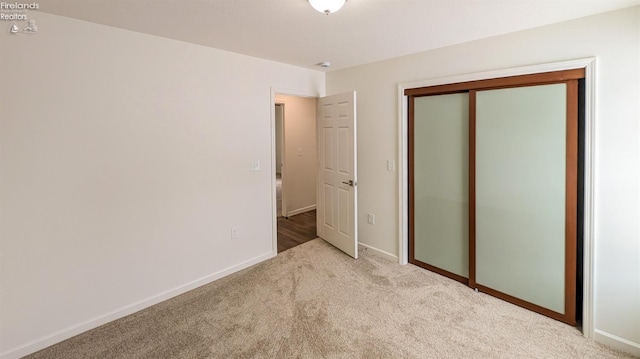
493	187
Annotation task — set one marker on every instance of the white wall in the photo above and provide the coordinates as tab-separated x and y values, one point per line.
614	38
125	159
299	172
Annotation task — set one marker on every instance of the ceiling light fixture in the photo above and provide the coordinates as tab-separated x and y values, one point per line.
327	6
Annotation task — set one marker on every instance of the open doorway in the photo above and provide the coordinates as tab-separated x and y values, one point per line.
295	170
279	125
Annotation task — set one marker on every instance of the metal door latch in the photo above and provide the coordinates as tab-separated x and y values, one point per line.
350	183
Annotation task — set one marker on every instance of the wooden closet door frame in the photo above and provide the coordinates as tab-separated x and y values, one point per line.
570	78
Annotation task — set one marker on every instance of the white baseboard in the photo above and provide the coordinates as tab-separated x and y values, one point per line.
617	342
56	337
301	210
378	252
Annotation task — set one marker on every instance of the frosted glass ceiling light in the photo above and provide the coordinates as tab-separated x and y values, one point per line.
327	6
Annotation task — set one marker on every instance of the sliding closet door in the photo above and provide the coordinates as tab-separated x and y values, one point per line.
524	167
439	184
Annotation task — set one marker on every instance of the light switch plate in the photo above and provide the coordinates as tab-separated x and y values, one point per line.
255	166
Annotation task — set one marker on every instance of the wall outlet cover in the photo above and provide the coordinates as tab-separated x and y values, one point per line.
371	218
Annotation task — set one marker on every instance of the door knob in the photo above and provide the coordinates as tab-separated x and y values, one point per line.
350	183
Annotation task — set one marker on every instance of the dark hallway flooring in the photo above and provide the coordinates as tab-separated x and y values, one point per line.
296	230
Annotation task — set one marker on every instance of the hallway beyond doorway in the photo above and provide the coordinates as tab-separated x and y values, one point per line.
296	230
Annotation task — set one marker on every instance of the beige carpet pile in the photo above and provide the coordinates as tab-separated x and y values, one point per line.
313	301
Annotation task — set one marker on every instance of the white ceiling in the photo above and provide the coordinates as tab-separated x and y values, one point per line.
364	31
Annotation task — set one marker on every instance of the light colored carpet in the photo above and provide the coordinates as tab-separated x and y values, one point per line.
313	301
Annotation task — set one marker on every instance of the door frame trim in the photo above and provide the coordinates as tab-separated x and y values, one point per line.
589	64
272	125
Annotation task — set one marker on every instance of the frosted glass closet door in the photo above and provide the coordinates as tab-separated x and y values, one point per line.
520	193
440	173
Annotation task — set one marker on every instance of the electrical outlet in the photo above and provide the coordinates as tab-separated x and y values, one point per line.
371	218
235	232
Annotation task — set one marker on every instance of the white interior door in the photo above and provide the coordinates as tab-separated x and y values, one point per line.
337	185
